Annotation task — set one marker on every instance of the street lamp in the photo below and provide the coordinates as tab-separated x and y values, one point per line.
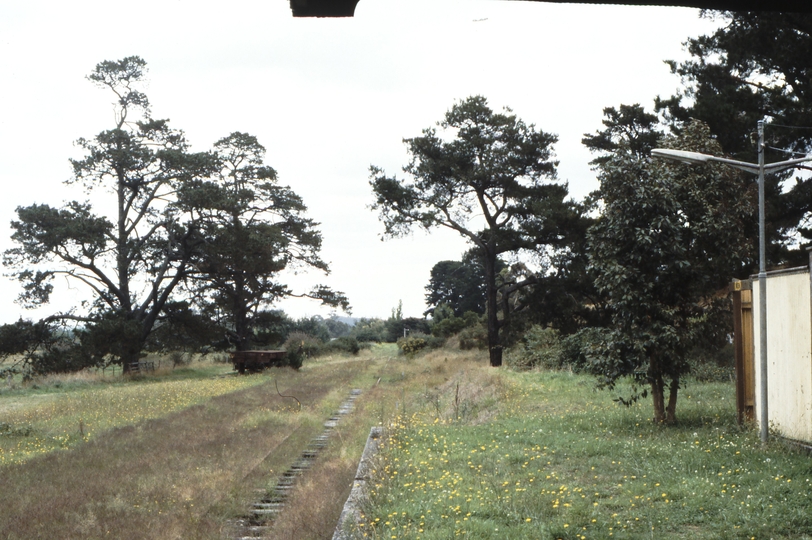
760	169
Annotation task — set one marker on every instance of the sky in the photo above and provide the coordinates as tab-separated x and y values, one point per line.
327	98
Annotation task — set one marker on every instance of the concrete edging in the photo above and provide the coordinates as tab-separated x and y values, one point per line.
351	514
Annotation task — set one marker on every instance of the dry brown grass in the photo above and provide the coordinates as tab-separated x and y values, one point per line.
86	376
315	505
158	479
184	475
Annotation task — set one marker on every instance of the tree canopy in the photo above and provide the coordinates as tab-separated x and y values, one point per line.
488	176
666	242
214	226
252	228
458	284
757	65
134	259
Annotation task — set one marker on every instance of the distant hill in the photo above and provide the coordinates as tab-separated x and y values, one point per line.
347	320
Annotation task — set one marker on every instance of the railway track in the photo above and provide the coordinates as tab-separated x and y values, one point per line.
260	515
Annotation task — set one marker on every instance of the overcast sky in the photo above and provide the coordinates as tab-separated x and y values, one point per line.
327	98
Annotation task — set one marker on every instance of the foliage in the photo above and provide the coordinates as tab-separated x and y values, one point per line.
628	129
347	344
299	348
435	342
369	330
540	348
584	347
412	343
183	328
398	328
449	326
271	327
48	346
131	261
756	65
459	285
668	239
19	342
474	337
441	312
336	327
180	358
712	364
416	342
253	228
565	298
488	176
314	327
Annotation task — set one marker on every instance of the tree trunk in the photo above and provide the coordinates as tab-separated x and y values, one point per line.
494	343
240	314
131	339
657	396
241	329
129	358
671	410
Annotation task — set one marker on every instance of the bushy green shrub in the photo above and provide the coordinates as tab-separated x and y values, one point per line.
416	342
180	358
451	325
713	364
59	360
540	347
314	327
395	328
299	347
413	343
474	337
346	344
577	348
369	331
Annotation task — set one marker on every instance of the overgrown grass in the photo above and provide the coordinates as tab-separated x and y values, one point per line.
473	452
185	457
560	460
175	455
57	412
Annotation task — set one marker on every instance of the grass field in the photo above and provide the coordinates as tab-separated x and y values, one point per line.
472	452
178	453
560	460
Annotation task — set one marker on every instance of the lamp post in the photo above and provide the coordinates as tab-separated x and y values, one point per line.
760	169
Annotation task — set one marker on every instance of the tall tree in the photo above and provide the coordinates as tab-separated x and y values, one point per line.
488	176
133	259
628	128
253	228
756	65
458	284
667	240
563	297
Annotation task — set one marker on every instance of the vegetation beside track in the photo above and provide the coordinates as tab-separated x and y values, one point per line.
473	452
561	460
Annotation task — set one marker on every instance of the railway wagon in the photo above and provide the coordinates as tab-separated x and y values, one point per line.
253	361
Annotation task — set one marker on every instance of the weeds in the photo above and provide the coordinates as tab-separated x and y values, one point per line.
183	455
560	461
474	452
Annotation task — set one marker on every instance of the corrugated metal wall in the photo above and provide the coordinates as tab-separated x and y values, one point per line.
789	352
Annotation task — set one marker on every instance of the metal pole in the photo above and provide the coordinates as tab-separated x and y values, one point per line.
762	288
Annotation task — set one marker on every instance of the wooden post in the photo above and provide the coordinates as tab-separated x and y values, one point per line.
743	346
